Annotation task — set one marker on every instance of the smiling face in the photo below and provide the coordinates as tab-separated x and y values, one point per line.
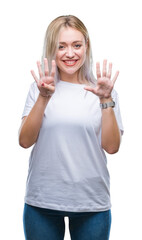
71	53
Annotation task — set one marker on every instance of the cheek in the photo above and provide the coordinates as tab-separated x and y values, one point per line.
59	56
83	55
57	59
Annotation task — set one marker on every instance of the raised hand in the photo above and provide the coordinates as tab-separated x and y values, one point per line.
46	82
104	83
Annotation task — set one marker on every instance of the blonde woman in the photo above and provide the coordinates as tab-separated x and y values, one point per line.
71	119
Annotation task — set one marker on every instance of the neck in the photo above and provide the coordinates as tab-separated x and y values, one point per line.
72	78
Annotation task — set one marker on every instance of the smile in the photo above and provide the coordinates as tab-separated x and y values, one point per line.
70	62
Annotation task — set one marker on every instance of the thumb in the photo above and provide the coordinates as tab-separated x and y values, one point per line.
90	89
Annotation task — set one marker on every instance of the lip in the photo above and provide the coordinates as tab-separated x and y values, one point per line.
70	62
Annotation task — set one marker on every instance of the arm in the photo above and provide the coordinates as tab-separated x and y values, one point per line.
110	138
31	124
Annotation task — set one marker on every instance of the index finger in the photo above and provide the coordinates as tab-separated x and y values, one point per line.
98	72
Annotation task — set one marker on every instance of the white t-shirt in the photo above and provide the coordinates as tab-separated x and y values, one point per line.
67	166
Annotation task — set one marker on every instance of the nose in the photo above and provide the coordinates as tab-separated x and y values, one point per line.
70	52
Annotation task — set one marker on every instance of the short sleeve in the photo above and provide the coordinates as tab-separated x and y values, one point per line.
31	99
117	111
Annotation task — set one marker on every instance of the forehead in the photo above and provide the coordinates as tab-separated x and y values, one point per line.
68	34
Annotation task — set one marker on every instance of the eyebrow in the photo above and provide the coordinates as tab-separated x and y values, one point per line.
73	42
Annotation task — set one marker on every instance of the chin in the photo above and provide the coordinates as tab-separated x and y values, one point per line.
70	70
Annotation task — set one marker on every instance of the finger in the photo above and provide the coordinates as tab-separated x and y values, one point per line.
39	69
48	87
88	88
109	70
34	76
104	68
98	72
115	77
53	69
46	69
49	81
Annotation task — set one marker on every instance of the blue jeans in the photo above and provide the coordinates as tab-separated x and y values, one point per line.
47	224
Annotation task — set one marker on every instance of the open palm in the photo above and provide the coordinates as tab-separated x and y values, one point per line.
45	82
104	83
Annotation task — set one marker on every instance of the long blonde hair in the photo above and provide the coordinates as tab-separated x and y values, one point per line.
51	44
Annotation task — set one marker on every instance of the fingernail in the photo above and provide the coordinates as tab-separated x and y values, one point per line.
42	84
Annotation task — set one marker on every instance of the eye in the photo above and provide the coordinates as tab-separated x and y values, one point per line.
77	45
61	47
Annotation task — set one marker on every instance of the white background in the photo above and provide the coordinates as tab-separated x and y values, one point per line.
115	32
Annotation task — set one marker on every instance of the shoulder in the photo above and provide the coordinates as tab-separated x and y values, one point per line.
33	86
33	91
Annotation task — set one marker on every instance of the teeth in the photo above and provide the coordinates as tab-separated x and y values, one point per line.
69	62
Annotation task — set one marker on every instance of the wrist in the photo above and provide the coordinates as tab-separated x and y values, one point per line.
106	100
44	98
107	103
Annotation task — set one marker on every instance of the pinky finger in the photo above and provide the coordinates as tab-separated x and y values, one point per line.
115	77
34	76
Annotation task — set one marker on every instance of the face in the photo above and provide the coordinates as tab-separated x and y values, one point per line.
71	52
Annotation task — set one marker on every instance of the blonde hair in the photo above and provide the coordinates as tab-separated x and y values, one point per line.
51	44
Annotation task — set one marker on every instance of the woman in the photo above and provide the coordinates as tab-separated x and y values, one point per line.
71	119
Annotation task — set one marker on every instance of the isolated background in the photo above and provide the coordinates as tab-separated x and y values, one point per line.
115	32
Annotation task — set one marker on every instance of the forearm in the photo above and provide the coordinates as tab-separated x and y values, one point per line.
30	126
110	131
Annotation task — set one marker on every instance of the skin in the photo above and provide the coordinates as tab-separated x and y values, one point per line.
71	54
70	57
30	127
111	136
